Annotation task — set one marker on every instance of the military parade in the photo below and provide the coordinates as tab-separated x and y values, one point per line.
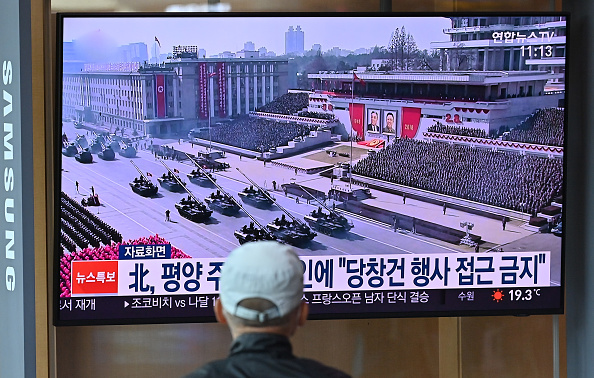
356	160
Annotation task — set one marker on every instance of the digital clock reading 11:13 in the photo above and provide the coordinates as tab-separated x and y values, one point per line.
543	51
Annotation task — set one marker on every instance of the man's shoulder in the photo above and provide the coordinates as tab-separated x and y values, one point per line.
308	368
318	369
211	370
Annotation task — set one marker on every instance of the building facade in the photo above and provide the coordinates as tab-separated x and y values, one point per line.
406	104
294	41
170	99
515	43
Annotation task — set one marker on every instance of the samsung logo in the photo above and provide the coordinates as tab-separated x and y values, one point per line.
8	156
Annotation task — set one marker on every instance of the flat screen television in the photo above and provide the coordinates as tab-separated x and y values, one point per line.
415	162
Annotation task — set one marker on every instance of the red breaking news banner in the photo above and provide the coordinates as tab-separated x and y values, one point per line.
94	277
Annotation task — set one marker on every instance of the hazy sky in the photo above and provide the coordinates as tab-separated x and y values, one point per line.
220	34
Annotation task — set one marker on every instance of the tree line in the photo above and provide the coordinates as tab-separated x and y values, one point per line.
400	54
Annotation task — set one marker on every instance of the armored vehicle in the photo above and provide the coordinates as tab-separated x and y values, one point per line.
328	223
291	232
107	153
256	197
222	203
193	209
70	150
84	156
127	150
251	233
171	182
201	177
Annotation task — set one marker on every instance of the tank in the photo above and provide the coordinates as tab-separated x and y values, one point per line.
107	154
193	210
84	156
115	145
143	187
199	178
128	151
211	164
255	197
328	223
96	146
251	233
291	232
70	150
82	141
221	203
168	181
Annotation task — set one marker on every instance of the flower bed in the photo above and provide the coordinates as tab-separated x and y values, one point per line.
106	252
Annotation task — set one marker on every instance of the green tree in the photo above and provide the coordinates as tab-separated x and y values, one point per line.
403	50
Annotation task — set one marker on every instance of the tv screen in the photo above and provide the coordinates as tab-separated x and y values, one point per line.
414	162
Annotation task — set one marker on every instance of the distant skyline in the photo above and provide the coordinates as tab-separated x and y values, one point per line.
218	34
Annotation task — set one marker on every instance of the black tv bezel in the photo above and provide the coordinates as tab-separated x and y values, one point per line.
57	156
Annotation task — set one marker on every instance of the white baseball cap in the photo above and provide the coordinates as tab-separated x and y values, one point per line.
263	269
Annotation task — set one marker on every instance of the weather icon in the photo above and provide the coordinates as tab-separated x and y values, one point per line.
497	295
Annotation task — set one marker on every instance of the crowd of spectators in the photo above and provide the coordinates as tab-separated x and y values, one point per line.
457	130
288	104
316	115
505	179
543	127
257	134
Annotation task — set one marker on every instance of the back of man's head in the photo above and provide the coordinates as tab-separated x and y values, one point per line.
261	285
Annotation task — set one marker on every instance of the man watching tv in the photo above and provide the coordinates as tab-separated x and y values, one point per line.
261	291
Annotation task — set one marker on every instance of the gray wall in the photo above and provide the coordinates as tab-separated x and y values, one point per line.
579	252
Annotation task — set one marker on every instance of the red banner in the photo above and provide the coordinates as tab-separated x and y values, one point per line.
221	75
410	122
94	277
357	112
160	89
202	99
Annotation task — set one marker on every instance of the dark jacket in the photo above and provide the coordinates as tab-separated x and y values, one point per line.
264	355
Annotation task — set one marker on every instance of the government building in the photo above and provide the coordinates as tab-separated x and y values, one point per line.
168	99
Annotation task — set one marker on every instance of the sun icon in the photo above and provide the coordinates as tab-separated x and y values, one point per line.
497	295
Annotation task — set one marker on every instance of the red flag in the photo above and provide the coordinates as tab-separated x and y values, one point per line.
175	170
358	79
161	104
157	40
149	174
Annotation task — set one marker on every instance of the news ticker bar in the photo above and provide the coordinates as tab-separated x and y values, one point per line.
372	303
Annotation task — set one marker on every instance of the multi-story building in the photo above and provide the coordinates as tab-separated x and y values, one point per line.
416	100
134	52
514	43
171	98
294	41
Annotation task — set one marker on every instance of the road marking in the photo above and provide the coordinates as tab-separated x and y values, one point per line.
162	207
107	203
